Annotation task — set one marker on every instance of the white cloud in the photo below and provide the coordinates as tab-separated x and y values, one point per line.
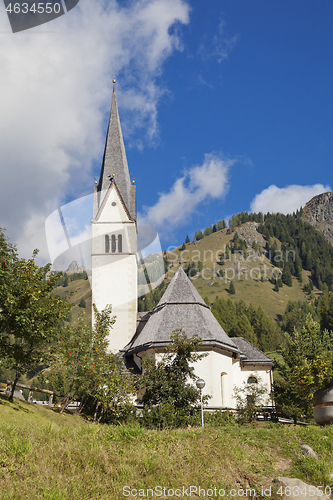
198	184
219	45
285	200
55	87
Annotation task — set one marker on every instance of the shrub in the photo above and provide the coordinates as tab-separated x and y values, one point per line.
250	398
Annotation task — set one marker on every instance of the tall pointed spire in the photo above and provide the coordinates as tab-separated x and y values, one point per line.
114	166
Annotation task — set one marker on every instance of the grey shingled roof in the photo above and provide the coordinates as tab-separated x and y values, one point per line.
181	291
180	307
251	355
114	160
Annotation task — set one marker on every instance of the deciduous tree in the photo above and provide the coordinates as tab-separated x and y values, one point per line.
29	311
170	381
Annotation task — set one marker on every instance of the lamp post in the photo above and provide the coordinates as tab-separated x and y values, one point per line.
200	383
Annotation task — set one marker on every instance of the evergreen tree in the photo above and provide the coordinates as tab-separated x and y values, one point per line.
208	231
232	288
255	246
141	305
149	304
244	329
221	260
326	311
187	239
307	366
221	224
286	276
295	315
199	235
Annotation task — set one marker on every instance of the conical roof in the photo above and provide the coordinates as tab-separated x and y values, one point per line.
181	307
115	165
181	291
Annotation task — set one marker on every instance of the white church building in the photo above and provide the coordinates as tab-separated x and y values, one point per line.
230	361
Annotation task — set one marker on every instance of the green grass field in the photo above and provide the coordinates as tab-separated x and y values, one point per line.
47	456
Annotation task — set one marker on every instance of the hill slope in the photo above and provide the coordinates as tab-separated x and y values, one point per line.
258	262
251	273
47	456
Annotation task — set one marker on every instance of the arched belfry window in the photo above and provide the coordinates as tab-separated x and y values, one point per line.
107	243
120	243
252	380
113	243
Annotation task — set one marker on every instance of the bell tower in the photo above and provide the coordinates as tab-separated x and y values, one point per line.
114	237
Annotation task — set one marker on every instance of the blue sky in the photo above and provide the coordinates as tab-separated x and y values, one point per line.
219	101
260	92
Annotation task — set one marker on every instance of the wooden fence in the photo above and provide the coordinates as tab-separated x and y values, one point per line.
31	390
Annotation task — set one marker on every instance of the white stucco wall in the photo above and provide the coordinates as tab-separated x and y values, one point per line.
222	373
114	275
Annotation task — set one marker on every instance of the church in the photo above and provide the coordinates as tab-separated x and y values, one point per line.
229	362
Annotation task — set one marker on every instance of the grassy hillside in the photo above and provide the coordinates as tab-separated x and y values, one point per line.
251	278
250	274
74	292
48	456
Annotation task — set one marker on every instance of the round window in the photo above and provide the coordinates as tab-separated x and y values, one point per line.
113	203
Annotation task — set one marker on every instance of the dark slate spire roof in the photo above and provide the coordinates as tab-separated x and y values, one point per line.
181	291
251	355
114	160
181	307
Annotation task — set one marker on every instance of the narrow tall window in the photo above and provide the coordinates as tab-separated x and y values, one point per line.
107	243
225	389
120	243
113	243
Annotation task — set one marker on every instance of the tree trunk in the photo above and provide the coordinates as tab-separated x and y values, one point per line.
101	415
17	376
80	408
64	406
65	403
96	409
